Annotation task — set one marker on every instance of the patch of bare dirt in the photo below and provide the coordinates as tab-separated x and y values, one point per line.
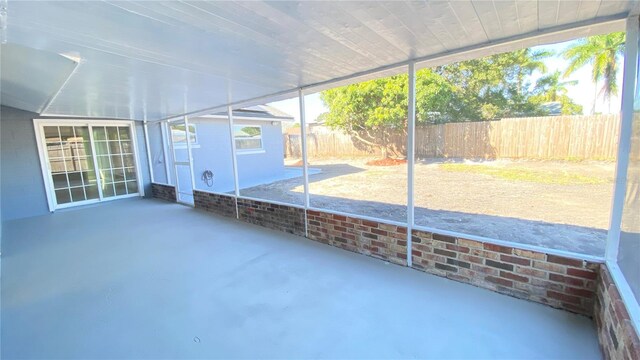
571	217
386	162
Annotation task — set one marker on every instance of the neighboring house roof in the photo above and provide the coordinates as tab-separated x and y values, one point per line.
264	110
258	112
552	108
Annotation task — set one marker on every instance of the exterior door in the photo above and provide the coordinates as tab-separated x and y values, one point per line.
71	166
116	165
178	137
87	163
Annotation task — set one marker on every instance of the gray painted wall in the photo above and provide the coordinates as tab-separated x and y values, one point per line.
213	152
23	192
22	186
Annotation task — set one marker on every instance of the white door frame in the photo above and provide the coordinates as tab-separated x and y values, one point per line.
39	125
176	163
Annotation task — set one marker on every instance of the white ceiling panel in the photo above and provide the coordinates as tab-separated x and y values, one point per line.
31	78
159	59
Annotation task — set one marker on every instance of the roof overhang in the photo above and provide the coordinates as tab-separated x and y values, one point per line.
160	60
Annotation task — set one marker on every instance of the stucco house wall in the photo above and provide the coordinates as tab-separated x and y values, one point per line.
22	186
212	152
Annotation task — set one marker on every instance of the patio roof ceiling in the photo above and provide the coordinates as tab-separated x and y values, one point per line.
156	60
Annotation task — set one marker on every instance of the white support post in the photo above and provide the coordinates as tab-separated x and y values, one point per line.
303	134
624	142
165	144
236	182
148	148
172	156
189	154
305	164
411	155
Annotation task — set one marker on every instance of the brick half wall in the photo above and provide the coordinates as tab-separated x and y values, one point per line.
224	205
561	282
285	218
164	192
383	241
556	281
617	337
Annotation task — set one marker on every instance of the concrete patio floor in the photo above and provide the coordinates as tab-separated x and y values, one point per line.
148	279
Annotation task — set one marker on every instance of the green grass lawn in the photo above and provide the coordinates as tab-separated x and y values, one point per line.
523	174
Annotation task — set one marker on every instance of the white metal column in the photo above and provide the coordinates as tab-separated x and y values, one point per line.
624	142
165	144
305	164
172	154
148	149
411	156
189	154
236	182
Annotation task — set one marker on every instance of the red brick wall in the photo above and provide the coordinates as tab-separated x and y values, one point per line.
288	219
557	281
164	192
618	339
220	204
383	241
549	279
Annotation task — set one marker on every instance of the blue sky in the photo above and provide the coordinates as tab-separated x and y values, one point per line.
582	93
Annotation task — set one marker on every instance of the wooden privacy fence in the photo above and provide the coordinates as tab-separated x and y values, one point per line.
575	137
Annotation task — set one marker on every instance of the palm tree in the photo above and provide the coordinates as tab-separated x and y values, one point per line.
602	53
529	61
551	88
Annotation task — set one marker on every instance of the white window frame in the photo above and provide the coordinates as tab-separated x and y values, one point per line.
194	144
39	125
239	151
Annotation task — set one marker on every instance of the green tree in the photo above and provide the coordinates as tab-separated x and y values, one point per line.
485	88
550	88
369	111
527	61
494	86
602	52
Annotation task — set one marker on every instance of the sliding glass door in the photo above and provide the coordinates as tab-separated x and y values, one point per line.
87	163
71	163
115	160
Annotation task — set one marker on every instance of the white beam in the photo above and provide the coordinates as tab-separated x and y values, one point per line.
411	156
234	158
305	164
189	154
303	134
165	158
148	148
624	142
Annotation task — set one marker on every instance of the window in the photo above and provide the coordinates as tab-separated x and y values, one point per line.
247	137
178	135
